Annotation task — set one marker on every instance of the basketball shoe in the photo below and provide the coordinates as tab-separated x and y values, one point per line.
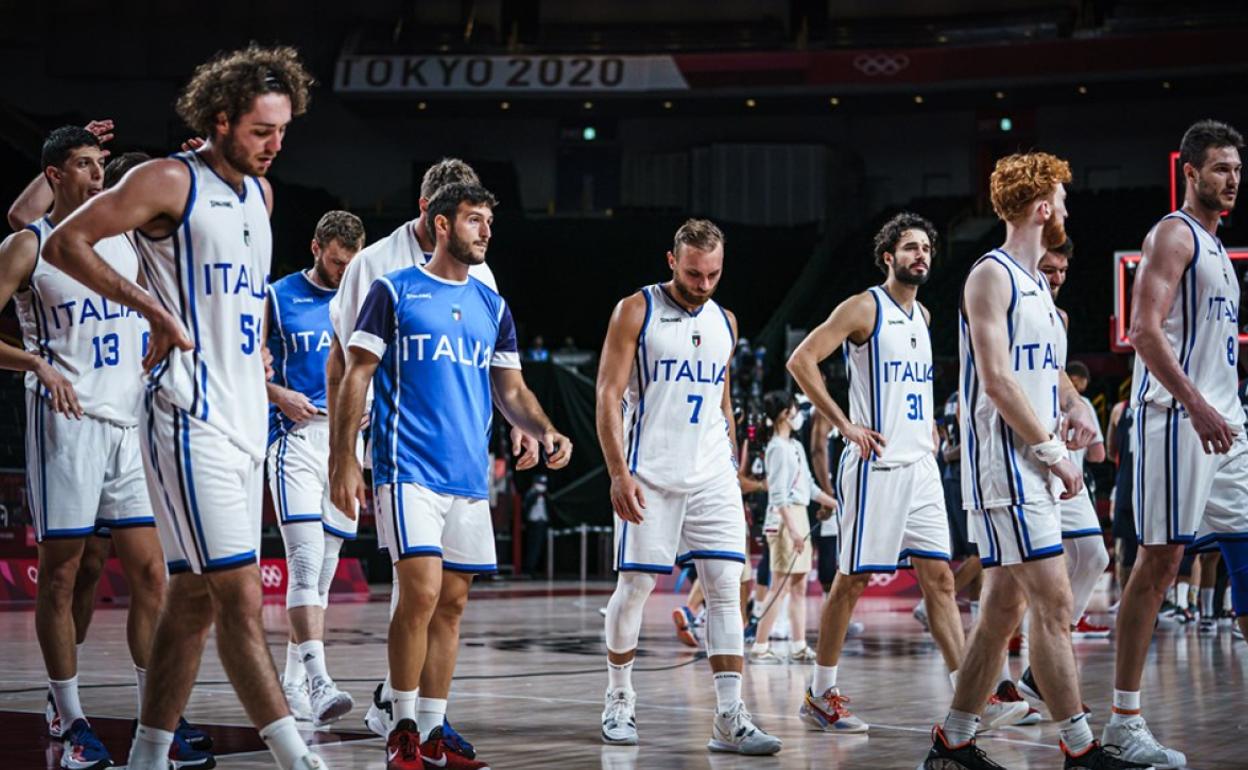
403	747
1027	683
380	714
685	626
1098	757
83	749
734	732
964	756
828	713
1086	629
328	703
197	738
1135	742
299	700
1008	693
1001	713
436	753
52	717
619	720
182	751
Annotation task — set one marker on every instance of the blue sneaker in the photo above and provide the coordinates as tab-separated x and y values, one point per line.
456	742
83	750
751	631
183	754
197	738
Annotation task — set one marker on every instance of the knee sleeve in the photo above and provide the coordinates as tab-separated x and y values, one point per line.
305	549
1086	559
721	580
1235	554
329	566
623	624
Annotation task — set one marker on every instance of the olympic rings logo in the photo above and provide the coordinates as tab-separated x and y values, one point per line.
872	64
270	575
881	579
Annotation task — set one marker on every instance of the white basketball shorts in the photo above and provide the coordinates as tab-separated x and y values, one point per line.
82	475
1017	534
890	513
298	471
206	491
1079	517
1183	495
681	526
421	522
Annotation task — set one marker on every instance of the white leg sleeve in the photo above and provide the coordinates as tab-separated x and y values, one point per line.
305	551
1086	559
721	582
329	566
623	624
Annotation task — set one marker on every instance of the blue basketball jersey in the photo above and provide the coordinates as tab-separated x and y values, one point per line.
299	339
432	408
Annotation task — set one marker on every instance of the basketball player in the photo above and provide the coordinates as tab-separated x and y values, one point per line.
36	197
411	244
1013	458
893	504
673	484
205	248
436	332
1191	456
298	337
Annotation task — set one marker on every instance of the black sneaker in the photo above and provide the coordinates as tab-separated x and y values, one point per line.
1027	683
967	756
197	738
1098	757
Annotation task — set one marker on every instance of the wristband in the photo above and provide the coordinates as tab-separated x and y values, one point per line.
1050	452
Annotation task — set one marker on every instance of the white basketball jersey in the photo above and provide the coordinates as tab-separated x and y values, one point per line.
890	381
96	343
675	433
998	468
211	273
1202	327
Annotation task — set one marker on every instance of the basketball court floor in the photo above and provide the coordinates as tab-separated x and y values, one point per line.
531	678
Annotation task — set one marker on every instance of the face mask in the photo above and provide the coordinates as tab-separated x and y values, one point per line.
797	419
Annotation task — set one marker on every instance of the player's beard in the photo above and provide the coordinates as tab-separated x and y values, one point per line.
236	156
689	298
1054	234
904	275
1208	198
324	276
461	250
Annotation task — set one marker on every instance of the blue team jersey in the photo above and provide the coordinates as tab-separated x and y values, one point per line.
437	341
299	338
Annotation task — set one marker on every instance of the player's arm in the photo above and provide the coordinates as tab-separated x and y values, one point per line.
295	405
1167	253
1079	426
725	402
820	426
853	319
346	482
153	193
1111	445
986	305
618	351
514	399
18	255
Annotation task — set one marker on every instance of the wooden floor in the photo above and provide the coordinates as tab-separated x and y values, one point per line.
531	679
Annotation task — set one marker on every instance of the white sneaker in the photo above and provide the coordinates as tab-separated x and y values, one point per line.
1136	743
380	714
298	700
766	657
735	732
804	655
329	704
310	761
920	614
55	728
619	721
828	713
1001	713
1208	626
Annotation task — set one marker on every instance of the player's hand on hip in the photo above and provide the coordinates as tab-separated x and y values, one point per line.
1216	437
1079	430
346	486
167	333
1070	476
61	392
296	406
627	499
558	449
865	439
524	448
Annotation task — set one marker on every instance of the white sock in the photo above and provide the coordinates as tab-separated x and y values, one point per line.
140	682
387	692
429	714
953	680
727	690
312	652
1076	733
1206	602
960	727
404	704
974	612
295	672
1126	706
150	750
1005	669
284	742
65	694
620	676
1227	603
823	680
1170	597
1181	597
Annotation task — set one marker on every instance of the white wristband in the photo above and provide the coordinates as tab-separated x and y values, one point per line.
1050	452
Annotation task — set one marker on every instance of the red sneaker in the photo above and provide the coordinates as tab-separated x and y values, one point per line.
1016	645
683	619
403	747
440	756
1086	629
